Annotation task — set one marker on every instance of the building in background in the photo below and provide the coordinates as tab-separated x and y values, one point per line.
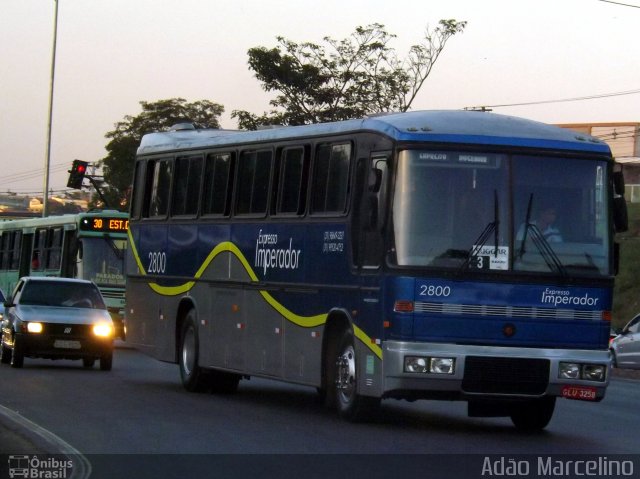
624	141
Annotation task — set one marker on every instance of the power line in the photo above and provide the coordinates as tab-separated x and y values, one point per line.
542	102
619	3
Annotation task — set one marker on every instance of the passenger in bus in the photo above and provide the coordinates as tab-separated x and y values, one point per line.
35	262
545	224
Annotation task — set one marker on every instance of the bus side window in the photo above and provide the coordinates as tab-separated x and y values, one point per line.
292	191
159	204
4	253
138	190
16	240
37	260
218	184
186	186
54	248
253	182
330	180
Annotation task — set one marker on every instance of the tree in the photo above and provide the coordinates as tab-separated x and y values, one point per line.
161	115
350	78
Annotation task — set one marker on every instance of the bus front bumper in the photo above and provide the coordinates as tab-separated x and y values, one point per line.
450	371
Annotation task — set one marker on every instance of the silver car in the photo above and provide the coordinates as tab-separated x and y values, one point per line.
625	348
56	318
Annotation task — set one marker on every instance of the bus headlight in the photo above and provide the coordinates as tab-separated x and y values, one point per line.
587	372
413	364
569	371
442	365
35	328
422	364
103	330
594	372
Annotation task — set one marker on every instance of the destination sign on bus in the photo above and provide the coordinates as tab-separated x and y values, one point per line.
486	160
104	224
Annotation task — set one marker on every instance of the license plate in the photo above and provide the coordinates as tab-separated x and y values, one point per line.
583	393
66	344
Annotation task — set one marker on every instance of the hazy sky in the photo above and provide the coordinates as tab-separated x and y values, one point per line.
111	54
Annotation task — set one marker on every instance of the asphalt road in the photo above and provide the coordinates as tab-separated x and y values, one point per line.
141	408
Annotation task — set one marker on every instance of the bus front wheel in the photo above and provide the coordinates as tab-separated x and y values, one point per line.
351	405
193	378
534	415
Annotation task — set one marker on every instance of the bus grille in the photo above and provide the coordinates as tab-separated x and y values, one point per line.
113	294
505	375
505	311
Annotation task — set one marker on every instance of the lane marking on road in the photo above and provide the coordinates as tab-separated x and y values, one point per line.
81	465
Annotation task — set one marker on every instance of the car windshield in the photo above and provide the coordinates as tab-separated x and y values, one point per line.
500	213
63	294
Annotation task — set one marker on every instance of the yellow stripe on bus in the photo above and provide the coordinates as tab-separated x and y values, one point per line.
303	321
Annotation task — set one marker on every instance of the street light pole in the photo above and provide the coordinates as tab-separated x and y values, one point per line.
45	193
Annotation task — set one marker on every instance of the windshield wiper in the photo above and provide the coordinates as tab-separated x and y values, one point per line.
479	243
119	253
540	242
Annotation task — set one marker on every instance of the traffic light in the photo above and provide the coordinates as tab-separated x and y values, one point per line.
76	174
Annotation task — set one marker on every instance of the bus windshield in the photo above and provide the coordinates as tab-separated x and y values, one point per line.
496	212
103	260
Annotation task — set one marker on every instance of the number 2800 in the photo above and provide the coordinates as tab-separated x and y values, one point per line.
433	290
157	262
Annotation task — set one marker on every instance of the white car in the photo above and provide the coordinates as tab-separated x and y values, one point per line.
625	348
56	318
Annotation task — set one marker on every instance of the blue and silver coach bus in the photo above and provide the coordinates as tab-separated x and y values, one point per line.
404	256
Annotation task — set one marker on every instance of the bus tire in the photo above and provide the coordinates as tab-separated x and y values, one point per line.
533	415
193	377
351	406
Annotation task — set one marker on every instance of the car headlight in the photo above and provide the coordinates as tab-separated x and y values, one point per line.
35	328
103	330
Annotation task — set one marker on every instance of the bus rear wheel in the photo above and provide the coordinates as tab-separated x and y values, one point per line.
533	415
192	375
351	405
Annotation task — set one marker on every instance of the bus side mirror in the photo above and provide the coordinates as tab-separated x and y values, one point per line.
620	216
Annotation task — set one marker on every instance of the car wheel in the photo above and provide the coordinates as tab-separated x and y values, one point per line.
351	405
106	361
5	353
614	359
533	415
194	379
17	354
88	362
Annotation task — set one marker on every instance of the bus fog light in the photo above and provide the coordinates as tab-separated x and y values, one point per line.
569	371
442	365
415	364
593	372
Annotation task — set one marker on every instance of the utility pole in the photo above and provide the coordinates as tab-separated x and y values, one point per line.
47	161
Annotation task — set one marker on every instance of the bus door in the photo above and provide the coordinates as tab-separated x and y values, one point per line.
368	234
